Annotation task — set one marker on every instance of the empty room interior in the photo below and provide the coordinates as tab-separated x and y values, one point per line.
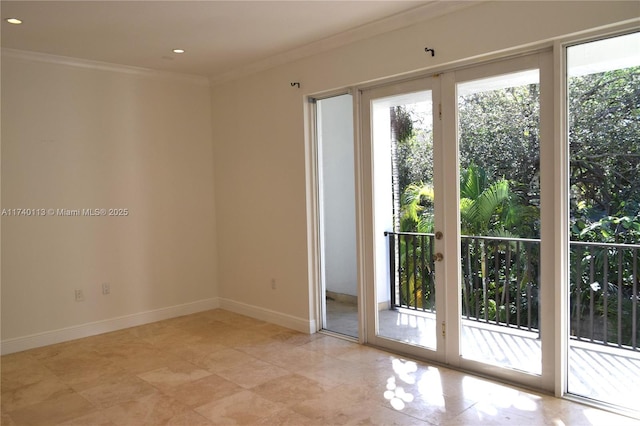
320	212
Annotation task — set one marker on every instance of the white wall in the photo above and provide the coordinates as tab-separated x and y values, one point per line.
79	137
338	199
259	133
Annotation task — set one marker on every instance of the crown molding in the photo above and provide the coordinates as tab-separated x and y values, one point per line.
400	20
101	66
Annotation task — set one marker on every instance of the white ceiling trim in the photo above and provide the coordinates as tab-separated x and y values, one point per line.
101	66
401	20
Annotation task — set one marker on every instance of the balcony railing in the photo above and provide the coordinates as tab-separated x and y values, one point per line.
501	284
604	293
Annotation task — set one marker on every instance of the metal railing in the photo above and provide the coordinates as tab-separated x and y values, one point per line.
604	293
501	284
412	281
500	281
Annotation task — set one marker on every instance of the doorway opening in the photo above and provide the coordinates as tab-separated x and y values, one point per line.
337	214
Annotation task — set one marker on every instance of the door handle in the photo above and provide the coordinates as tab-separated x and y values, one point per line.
438	257
438	235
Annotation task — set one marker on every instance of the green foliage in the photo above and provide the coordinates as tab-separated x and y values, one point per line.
604	136
499	132
609	229
414	148
416	208
416	271
499	144
481	204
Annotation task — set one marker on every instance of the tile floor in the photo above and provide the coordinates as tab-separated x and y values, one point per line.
603	373
218	367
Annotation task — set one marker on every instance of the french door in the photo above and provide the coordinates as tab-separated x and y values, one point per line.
452	235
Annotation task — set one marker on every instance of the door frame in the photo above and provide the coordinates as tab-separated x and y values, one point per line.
554	176
317	302
541	60
560	202
371	232
448	305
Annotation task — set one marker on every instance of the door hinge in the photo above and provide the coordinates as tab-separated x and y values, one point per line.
440	111
443	330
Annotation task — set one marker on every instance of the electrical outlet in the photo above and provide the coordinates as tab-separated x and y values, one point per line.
79	295
273	283
106	288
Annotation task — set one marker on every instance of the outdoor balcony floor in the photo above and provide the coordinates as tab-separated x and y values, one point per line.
598	372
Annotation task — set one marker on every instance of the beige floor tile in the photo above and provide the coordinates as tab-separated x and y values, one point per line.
138	357
290	389
243	408
62	350
155	329
265	350
436	409
270	330
485	414
321	408
154	409
203	391
372	414
6	420
98	343
95	418
17	361
330	346
370	356
205	328
218	367
285	417
168	339
18	373
242	337
53	410
195	350
224	359
296	338
254	374
82	370
559	411
291	358
333	372
176	374
188	418
239	321
120	389
33	393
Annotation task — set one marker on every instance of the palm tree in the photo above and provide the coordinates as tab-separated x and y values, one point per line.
481	204
484	209
416	211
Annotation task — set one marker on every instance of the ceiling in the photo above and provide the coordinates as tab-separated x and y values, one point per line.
219	37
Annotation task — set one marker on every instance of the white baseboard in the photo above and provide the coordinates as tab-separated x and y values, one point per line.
18	344
303	325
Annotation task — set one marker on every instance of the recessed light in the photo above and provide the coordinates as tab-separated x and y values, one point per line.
14	21
178	50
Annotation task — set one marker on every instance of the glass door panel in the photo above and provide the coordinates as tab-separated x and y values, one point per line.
604	220
499	161
405	289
